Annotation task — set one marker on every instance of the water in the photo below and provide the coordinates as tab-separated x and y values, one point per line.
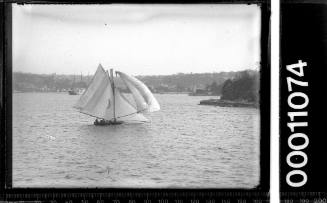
184	145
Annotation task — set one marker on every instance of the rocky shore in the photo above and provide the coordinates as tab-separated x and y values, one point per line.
227	103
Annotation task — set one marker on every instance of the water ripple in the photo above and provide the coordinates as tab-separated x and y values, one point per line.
185	145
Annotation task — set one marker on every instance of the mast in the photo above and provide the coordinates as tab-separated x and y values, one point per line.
113	91
73	84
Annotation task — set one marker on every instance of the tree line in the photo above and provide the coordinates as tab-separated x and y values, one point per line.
244	87
182	82
230	85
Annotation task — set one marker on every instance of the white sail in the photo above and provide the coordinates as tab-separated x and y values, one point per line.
124	111
141	104
145	101
99	99
96	99
96	82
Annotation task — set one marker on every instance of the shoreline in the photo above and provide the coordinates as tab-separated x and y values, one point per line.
228	103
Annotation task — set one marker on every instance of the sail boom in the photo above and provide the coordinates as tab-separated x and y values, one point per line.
91	115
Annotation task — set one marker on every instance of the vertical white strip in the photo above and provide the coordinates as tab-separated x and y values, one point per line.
274	115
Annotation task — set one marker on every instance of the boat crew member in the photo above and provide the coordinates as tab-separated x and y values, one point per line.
96	122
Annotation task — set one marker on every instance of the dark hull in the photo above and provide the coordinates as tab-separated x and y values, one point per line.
105	123
72	92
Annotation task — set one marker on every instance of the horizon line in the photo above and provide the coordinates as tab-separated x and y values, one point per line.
179	73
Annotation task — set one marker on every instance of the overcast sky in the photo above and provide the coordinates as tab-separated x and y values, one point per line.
136	39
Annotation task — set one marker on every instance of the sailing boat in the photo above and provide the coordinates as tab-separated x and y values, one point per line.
72	90
103	100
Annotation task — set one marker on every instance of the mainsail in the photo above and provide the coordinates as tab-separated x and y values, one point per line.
124	111
103	100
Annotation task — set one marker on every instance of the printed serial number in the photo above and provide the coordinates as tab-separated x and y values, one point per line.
298	101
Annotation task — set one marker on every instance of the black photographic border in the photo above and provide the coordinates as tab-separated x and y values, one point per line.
261	192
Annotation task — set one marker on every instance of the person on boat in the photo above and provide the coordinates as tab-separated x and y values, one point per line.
96	122
106	122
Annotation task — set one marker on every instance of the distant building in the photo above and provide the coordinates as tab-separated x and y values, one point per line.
200	92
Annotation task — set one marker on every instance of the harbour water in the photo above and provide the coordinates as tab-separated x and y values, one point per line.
184	145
